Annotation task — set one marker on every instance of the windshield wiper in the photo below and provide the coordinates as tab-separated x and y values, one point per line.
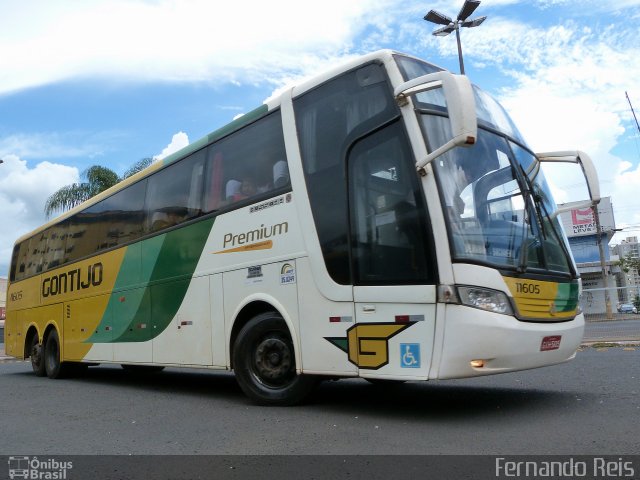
540	207
556	234
529	204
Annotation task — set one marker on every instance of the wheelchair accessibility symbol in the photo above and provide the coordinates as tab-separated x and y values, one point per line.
410	355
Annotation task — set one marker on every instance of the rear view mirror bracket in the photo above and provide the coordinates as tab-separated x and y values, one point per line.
461	107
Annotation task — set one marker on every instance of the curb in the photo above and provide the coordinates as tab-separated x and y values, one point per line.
616	343
3	356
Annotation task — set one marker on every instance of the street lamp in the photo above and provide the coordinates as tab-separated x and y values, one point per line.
454	25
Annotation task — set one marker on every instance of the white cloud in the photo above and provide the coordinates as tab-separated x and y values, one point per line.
178	141
53	145
196	40
23	193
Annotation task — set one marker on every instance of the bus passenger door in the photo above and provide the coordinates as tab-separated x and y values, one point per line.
393	267
394	331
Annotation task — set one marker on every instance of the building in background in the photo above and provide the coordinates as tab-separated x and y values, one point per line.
580	227
628	248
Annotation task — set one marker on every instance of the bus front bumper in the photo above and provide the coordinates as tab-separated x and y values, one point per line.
481	343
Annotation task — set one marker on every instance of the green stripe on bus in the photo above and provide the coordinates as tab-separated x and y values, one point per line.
169	263
567	297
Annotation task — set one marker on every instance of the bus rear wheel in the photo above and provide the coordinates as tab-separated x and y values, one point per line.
36	355
265	365
54	366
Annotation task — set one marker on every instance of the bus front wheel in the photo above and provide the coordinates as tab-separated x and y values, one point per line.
265	365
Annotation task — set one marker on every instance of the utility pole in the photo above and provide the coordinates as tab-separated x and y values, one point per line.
632	111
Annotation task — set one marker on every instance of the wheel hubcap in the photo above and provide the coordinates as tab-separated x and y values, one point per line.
273	360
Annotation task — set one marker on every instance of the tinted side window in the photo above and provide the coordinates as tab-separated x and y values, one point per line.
247	164
37	248
174	194
114	221
329	118
13	272
56	252
21	260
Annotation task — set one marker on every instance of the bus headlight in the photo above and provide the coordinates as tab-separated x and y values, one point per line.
485	299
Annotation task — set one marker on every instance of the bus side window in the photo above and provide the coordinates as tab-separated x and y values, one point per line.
114	221
56	251
14	263
249	163
22	254
213	195
174	194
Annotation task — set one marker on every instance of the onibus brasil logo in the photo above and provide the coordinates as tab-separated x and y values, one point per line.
34	468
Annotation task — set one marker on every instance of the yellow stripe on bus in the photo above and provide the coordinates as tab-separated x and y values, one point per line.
540	299
74	298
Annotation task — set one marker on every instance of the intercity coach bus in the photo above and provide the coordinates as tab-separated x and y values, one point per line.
384	220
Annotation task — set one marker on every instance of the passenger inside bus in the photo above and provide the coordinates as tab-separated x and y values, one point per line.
280	174
241	190
268	176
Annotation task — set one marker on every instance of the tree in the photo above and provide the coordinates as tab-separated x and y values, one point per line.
628	263
98	179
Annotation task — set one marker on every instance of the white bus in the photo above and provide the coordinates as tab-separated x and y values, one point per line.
384	220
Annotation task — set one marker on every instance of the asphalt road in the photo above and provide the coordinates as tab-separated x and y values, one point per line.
611	330
588	406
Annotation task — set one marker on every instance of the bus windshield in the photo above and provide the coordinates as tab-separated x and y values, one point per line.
498	205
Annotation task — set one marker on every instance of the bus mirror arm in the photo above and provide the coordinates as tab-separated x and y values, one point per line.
588	170
461	107
450	145
573	206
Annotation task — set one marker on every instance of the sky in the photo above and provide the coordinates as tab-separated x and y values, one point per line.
88	82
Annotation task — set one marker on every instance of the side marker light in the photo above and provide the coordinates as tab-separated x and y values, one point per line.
477	363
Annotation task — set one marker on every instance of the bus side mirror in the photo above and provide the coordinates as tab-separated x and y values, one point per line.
461	106
588	170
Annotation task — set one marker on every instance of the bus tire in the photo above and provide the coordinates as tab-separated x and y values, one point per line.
37	357
265	365
54	366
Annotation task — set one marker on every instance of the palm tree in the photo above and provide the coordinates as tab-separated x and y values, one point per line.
98	179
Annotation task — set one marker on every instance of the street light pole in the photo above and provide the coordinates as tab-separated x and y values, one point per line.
459	49
450	25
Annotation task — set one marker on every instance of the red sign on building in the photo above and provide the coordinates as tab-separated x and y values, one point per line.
582	221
